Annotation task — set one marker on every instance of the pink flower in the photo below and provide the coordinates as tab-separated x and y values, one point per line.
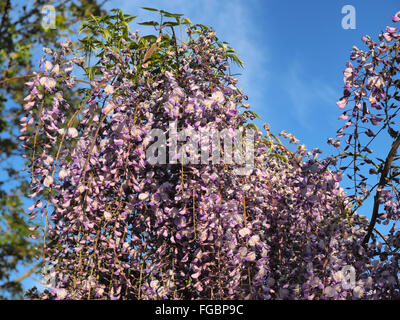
72	132
48	65
244	232
396	17
29	105
154	284
109	89
47	82
48	161
143	196
242	251
48	181
251	256
218	96
376	81
254	240
119	142
178	91
387	36
56	69
208	103
391	29
348	73
107	215
110	106
61	293
196	275
342	103
63	173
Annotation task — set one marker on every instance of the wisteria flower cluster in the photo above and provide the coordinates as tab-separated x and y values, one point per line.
370	104
117	227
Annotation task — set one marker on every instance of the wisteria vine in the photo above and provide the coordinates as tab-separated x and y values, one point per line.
116	227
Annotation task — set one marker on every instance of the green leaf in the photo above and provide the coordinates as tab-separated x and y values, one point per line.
106	34
235	59
186	21
171	15
276	138
279	156
252	125
252	113
170	24
125	24
150	9
129	18
149	23
150	38
202	26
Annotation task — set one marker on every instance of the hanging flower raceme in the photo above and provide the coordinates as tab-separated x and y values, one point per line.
370	105
129	218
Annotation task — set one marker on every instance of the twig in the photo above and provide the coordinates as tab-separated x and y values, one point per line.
24	276
382	182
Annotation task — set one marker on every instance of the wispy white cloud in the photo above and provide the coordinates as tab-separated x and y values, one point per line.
310	97
233	21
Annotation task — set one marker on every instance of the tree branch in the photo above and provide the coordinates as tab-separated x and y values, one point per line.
24	276
382	182
5	14
5	80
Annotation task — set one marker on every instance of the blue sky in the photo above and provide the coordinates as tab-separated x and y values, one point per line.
294	53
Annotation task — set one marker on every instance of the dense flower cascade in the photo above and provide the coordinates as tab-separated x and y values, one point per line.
118	227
